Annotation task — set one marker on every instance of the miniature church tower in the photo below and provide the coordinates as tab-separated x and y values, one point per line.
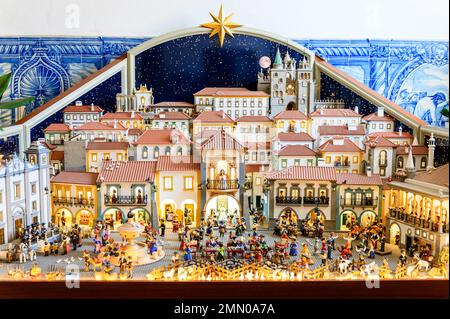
140	100
291	87
410	168
431	148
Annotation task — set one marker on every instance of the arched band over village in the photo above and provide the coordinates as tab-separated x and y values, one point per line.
285	182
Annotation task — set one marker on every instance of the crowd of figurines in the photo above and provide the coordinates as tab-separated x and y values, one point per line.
237	253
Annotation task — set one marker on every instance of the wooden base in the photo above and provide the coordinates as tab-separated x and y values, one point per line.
383	253
392	289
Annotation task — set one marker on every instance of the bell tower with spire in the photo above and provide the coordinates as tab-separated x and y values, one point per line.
431	148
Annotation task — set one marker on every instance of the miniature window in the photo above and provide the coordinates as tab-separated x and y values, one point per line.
34	205
120	157
156	152
33	188
81	117
382	171
180	151
310	162
297	162
17	194
284	163
388	126
188	183
383	158
167	151
259	112
168	183
355	159
400	162
328	160
1	197
94	157
295	192
67	117
355	171
309	192
423	162
262	156
258	181
94	117
282	192
254	156
374	126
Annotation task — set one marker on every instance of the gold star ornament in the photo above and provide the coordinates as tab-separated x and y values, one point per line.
220	26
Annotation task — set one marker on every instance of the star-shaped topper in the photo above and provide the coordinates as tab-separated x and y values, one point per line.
220	26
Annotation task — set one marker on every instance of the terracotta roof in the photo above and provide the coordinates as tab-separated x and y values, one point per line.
121	116
438	176
57	156
290	115
335	113
172	116
82	109
254	168
161	137
347	146
72	89
392	134
173	104
214	117
134	131
222	141
311	173
254	118
416	150
57	127
176	163
357	179
80	178
121	171
227	91
379	141
341	130
97	126
294	137
375	118
296	150
371	92
107	146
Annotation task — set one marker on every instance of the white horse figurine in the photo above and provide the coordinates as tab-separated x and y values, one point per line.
366	270
169	274
344	265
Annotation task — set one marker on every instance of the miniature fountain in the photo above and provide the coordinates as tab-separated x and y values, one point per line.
130	231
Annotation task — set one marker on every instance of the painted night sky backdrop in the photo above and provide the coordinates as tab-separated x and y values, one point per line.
179	68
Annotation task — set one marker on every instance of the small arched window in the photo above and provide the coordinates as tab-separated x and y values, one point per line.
423	162
180	151
400	162
167	151
383	158
156	152
145	152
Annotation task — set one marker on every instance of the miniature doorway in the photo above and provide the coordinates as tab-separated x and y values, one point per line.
113	217
395	235
367	218
63	218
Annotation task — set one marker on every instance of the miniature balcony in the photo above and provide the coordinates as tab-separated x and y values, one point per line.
364	202
125	200
319	201
342	164
288	200
415	221
215	184
74	201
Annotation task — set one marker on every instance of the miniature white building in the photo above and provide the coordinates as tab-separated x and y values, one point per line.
140	100
79	114
379	122
339	117
171	120
24	192
153	143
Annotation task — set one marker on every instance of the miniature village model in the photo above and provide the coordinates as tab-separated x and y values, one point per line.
275	183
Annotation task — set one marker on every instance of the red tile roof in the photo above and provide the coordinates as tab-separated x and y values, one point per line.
311	173
416	150
294	137
296	150
57	156
254	118
176	163
173	104
347	146
214	117
257	145
254	168
172	116
134	131
341	130
375	118
121	116
392	134
357	179
335	113
79	178
227	91
161	137
222	141
379	141
82	109
97	126
121	171
57	127
290	115
107	146
438	176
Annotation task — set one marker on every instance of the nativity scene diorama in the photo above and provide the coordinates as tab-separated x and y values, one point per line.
226	153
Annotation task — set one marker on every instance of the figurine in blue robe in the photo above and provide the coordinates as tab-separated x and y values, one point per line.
187	254
293	249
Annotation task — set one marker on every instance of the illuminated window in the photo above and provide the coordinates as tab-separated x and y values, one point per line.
297	162
258	181
145	152
355	171
17	191
303	124
281	124
34	205
120	157
328	159
168	183
284	163
188	183
355	159
388	126
106	156
33	188
94	157
423	162
374	126
156	152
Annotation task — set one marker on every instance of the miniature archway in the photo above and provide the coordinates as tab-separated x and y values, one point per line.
314	214
222	209
19	221
167	209
289	215
367	218
140	215
346	217
63	218
84	218
395	234
189	207
114	217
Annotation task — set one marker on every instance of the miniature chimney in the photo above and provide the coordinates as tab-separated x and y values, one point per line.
115	123
369	171
357	109
174	138
132	114
321	111
400	131
380	111
92	107
78	103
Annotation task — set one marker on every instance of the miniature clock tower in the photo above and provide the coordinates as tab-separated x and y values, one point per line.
431	148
